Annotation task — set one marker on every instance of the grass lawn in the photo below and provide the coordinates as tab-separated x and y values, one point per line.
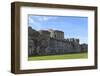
64	56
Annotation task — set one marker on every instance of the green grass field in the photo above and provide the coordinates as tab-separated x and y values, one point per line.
64	56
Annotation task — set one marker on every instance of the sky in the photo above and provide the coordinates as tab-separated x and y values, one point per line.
72	26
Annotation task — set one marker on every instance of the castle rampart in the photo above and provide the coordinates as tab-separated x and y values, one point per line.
50	42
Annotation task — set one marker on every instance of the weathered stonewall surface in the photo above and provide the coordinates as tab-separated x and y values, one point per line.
51	42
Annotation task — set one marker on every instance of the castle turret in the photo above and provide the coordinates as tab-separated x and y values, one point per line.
45	33
56	34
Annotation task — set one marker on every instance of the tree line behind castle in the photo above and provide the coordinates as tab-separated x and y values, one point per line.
52	42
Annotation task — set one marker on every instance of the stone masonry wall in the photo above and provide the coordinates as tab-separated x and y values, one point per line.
50	42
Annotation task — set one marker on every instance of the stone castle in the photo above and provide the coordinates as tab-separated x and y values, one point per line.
51	42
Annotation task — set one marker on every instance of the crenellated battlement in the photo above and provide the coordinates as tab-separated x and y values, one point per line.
48	42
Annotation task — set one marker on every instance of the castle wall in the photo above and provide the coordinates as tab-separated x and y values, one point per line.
51	42
63	46
84	47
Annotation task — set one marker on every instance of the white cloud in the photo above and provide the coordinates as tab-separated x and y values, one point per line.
37	21
45	18
34	24
31	20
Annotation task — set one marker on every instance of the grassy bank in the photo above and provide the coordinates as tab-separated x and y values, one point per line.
65	56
